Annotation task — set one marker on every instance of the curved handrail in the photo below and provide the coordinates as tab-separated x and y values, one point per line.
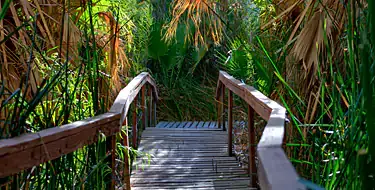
28	150
127	95
275	171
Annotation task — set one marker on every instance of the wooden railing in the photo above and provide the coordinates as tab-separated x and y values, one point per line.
274	170
28	150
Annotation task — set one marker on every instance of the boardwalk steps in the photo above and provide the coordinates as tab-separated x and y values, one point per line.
187	155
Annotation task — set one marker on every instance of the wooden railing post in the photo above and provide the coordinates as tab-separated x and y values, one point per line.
154	112
143	106
149	109
222	106
111	147
251	131
76	135
134	124
113	160
125	142
285	136
219	103
230	121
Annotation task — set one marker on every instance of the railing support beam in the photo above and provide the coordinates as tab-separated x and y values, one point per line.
126	157
275	171
143	106
251	132
111	148
219	106
222	106
62	140
154	114
149	109
134	124
230	122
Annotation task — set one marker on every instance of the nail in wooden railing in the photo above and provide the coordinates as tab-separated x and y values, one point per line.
274	170
28	150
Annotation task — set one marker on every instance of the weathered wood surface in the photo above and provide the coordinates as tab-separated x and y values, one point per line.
188	124
25	151
187	154
275	171
187	158
127	95
28	150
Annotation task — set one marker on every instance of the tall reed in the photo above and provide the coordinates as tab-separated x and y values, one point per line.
68	80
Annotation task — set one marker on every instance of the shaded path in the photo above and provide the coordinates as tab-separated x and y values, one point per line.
189	155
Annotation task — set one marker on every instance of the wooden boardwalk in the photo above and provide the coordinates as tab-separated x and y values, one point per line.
187	155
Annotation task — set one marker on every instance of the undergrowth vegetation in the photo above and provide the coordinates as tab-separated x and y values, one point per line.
315	58
63	61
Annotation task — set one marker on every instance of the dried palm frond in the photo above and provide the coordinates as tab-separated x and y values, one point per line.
44	33
326	22
53	26
203	15
117	60
285	12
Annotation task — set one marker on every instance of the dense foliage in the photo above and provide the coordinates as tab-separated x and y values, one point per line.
63	61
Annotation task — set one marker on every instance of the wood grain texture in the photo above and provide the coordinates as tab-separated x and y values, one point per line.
253	97
175	125
251	139
223	121
127	95
275	170
26	141
134	123
219	103
169	125
187	159
182	124
200	124
206	124
126	165
111	148
149	108
34	149
143	107
194	124
161	124
230	122
213	124
272	174
188	124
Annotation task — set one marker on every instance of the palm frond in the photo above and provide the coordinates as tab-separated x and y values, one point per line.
200	15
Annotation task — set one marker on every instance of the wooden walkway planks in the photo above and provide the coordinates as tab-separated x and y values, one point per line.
191	156
187	124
